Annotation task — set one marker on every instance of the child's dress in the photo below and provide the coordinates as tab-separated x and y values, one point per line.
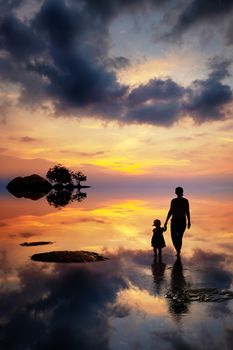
157	240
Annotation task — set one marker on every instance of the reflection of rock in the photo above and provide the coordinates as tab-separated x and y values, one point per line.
33	187
68	257
31	244
25	194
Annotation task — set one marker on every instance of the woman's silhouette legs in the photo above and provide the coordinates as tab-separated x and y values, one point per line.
178	227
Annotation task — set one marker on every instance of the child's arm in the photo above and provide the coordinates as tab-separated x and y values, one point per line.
164	228
152	238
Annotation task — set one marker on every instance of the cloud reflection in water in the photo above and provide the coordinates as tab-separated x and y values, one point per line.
107	304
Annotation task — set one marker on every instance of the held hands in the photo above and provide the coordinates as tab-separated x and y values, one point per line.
165	225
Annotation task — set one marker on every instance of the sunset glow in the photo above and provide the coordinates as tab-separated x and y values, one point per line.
116	174
165	109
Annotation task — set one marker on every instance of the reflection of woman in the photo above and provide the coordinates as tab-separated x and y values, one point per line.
177	277
178	301
179	211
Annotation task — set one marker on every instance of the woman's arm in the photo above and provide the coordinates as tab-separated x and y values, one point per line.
169	214
188	214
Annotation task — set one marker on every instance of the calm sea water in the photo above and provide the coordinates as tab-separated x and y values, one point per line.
121	303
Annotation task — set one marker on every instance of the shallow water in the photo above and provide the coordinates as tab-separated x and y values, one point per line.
121	303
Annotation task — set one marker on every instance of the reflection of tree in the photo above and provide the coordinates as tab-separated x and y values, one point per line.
60	199
158	269
177	295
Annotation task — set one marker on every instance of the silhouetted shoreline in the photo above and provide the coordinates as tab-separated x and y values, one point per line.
35	187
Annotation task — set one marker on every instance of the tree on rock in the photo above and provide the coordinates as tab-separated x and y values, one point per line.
78	177
63	176
59	174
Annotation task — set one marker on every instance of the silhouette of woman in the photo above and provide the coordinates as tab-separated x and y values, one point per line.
179	210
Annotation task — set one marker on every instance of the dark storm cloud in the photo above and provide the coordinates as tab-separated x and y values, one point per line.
62	55
118	62
8	6
155	89
219	68
202	10
157	102
163	102
70	46
106	9
207	98
156	114
18	38
77	43
229	34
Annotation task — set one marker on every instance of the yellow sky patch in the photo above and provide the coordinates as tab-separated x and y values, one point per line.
127	150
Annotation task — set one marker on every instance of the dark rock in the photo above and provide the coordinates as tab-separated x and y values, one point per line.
31	244
32	183
68	257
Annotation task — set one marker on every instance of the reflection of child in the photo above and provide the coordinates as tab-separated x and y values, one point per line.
157	240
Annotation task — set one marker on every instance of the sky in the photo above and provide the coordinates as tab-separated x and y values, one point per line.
121	89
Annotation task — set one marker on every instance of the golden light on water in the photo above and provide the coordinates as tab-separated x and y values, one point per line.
112	224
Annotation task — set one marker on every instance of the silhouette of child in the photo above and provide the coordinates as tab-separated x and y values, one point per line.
157	240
